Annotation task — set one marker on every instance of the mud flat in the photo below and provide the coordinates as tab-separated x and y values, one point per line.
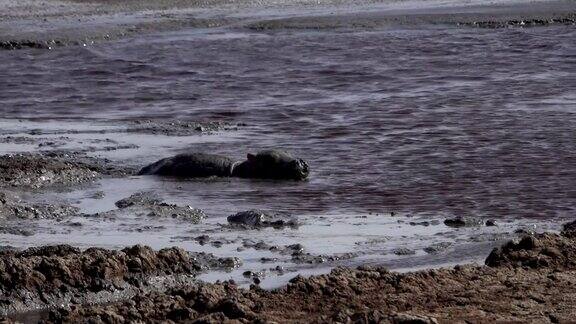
54	23
74	183
531	279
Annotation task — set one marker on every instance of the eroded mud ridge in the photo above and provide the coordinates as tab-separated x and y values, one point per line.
51	275
528	280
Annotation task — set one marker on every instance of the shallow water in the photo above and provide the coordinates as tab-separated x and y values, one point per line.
425	121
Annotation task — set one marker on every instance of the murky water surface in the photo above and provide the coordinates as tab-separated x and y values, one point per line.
427	122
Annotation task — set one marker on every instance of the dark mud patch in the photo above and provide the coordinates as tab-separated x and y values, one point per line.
505	291
254	219
22	44
438	248
29	170
149	204
297	252
463	222
139	199
146	126
12	208
178	128
51	275
536	251
525	23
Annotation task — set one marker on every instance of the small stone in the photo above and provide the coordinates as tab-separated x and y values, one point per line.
404	251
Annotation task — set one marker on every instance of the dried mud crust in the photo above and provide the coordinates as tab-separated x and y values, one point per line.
50	275
52	169
518	287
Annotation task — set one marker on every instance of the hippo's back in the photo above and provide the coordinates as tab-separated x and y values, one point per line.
191	165
272	164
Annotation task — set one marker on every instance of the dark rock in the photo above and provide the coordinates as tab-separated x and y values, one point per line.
150	205
139	199
437	248
491	222
463	222
404	251
424	223
268	260
525	231
308	258
295	248
261	245
202	239
257	218
186	213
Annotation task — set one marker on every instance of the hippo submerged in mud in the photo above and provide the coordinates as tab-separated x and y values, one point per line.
271	164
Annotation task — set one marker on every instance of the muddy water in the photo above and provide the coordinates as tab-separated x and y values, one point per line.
424	121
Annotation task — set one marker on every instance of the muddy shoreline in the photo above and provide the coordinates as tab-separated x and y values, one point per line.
53	24
84	238
140	283
531	279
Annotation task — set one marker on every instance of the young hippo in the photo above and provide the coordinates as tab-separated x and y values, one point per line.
270	164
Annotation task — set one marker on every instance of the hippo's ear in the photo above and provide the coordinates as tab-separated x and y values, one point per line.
251	157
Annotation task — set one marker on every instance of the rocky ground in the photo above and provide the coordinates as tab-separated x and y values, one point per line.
530	280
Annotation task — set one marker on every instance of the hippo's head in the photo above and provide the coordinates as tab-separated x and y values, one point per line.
272	164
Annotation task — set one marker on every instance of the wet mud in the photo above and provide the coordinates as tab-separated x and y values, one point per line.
569	19
528	280
12	208
37	171
149	205
43	277
409	168
77	23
